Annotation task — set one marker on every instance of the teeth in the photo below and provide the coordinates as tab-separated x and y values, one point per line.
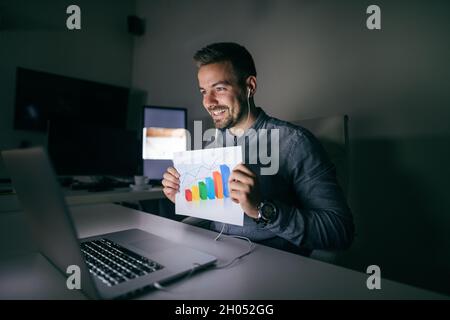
218	112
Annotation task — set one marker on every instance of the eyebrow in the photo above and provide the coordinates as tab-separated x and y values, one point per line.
223	82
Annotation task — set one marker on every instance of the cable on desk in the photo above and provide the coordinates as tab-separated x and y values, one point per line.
159	286
246	253
218	236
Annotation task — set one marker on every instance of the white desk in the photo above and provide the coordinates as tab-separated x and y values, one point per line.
11	203
265	274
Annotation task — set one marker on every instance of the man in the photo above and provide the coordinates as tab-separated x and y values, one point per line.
299	208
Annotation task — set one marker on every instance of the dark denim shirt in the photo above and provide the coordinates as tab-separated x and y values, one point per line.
312	209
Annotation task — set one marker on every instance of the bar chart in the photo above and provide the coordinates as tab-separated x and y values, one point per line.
214	187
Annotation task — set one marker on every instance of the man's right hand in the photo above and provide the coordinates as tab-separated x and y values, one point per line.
171	183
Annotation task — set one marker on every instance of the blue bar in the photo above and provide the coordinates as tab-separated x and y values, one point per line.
210	187
225	172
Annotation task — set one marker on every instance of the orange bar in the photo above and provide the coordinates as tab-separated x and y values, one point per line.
218	188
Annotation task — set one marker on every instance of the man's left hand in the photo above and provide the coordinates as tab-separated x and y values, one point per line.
244	189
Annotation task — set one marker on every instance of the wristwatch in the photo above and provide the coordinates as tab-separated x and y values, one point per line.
267	212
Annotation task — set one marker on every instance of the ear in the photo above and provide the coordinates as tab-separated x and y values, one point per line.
251	86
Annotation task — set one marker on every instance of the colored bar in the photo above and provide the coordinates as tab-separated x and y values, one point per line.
195	193
210	186
225	171
202	189
188	195
218	187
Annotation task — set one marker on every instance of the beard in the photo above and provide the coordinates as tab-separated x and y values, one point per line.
224	123
229	120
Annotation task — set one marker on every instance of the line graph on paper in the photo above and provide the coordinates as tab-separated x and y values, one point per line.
204	184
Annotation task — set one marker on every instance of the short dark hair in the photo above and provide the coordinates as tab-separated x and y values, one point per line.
237	55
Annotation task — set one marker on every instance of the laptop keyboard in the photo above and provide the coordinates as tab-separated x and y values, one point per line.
114	264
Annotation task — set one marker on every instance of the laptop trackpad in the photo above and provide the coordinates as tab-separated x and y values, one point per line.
152	245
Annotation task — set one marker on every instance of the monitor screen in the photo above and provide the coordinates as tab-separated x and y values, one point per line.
161	143
163	134
85	150
43	97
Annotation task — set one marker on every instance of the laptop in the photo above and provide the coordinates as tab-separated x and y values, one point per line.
114	265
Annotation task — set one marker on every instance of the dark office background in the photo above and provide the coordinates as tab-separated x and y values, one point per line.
313	59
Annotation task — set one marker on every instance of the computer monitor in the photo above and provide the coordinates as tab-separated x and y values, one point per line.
42	97
86	150
164	132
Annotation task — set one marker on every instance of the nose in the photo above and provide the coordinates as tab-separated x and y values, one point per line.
209	100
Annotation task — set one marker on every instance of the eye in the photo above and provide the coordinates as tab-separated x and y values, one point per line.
202	92
220	89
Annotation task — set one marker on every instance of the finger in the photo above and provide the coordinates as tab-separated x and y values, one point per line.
169	177
243	168
169	184
171	180
242	177
169	191
173	171
238	186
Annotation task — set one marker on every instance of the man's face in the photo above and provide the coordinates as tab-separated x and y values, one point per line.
222	96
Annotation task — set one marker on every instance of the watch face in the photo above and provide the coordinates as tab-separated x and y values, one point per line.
268	211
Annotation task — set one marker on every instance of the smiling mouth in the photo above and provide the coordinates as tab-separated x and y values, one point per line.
218	112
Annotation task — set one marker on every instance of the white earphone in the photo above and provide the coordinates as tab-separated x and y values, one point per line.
248	105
